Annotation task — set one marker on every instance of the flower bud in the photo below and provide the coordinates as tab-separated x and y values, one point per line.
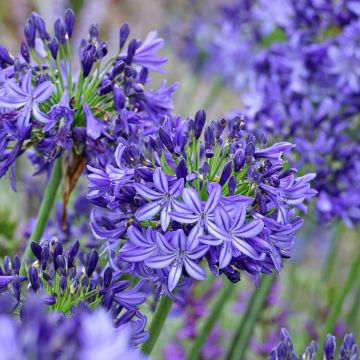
60	31
5	56
29	32
166	139
92	262
226	173
34	278
119	98
24	51
69	22
54	47
199	123
124	34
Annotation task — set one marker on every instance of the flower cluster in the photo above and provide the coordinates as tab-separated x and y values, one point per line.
53	105
284	350
42	335
65	279
298	75
181	200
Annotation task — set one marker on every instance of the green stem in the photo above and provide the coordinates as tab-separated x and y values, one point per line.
157	323
340	299
205	330
331	255
246	327
215	89
44	212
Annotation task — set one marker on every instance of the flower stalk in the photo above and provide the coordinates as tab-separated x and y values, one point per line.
223	298
44	212
255	305
157	323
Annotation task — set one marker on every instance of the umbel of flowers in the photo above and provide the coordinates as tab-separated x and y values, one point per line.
195	192
56	97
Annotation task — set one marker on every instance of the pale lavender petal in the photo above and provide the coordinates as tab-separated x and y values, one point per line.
177	188
135	236
222	219
148	211
26	82
164	217
213	199
174	276
12	103
160	181
210	240
245	248
147	193
180	206
164	245
43	91
194	270
200	251
184	218
135	254
179	239
239	218
192	199
39	115
217	232
160	261
250	229
225	255
14	90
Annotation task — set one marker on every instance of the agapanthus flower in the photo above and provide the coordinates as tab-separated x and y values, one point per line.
182	201
285	350
53	105
66	279
50	335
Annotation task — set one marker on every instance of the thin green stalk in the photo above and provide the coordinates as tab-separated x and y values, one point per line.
44	211
255	305
215	89
340	299
331	255
205	330
157	323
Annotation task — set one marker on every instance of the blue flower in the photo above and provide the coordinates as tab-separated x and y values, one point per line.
178	252
194	211
26	98
231	235
162	198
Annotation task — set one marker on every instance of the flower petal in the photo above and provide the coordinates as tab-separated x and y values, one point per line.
164	217
174	276
164	245
194	270
198	253
43	91
225	255
26	82
245	248
13	90
184	218
250	229
192	200
146	192
217	232
39	115
136	237
160	261
222	219
177	188
160	181
148	211
213	199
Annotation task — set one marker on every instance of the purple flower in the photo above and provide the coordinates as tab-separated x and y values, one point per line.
178	252
140	246
145	54
27	98
194	211
94	127
233	234
162	198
